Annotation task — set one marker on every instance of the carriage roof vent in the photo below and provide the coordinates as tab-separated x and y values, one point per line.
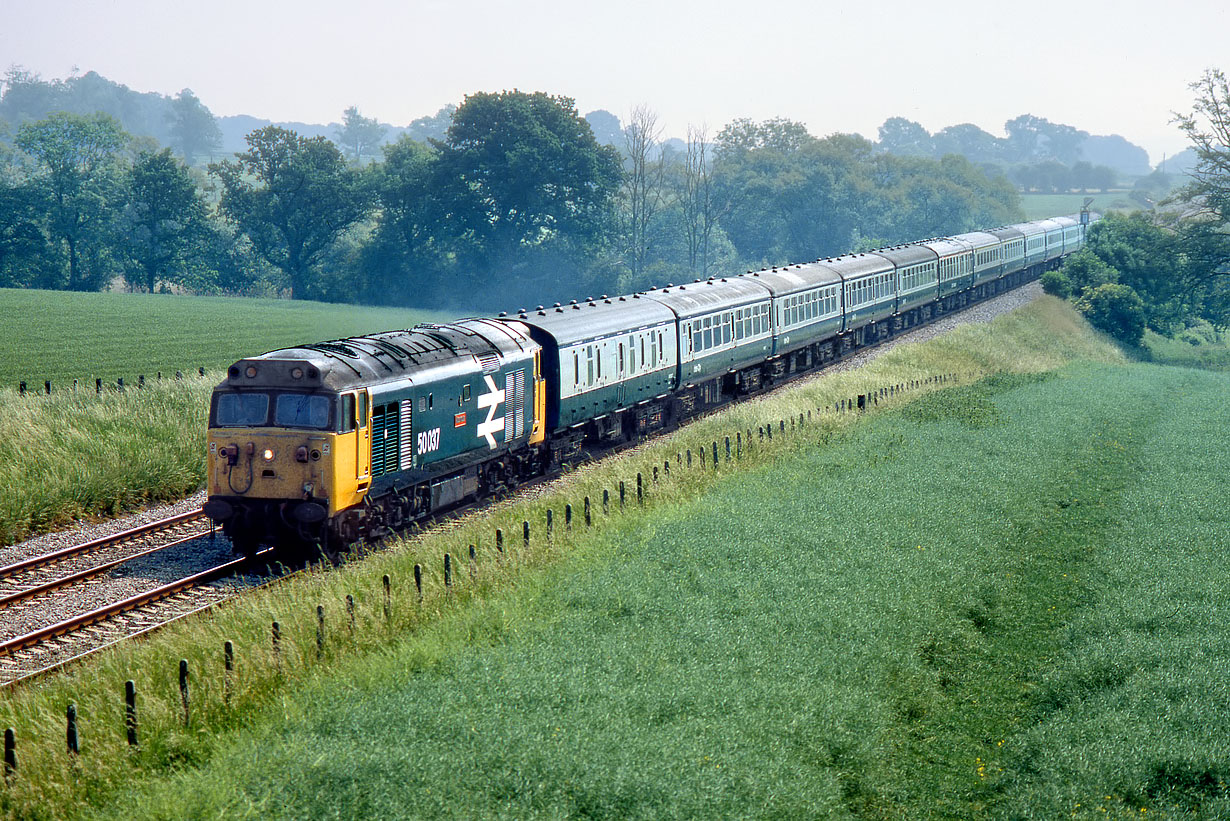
539	308
556	305
503	313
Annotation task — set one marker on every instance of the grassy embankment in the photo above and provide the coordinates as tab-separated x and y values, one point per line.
850	623
70	454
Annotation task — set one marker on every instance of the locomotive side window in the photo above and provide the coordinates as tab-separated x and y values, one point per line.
347	420
363	409
465	393
241	409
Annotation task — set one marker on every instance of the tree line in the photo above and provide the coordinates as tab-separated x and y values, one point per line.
517	203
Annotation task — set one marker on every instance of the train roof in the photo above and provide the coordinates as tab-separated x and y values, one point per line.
978	239
946	246
1006	233
371	359
1029	229
595	319
901	255
790	279
706	296
850	266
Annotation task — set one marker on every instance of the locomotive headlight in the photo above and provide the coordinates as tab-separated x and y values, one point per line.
268	454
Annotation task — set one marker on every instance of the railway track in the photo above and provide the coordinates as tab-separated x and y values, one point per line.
67	603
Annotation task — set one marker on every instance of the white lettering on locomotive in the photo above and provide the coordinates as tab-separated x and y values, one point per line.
428	441
490	400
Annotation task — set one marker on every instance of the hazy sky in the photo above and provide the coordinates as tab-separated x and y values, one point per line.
1106	67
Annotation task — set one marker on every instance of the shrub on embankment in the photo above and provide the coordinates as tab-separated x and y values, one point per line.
1038	338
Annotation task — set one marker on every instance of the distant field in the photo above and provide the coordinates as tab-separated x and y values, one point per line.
1041	206
62	335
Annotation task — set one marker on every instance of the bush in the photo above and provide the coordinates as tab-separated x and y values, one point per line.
1199	333
1115	310
1057	284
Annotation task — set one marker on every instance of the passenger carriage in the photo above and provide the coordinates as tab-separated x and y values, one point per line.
806	310
916	280
869	295
724	325
604	361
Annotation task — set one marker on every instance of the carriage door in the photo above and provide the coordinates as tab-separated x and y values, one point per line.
363	438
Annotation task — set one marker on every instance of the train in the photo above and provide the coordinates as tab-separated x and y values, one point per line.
314	448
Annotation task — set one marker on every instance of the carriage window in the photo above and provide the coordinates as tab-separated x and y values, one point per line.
621	357
576	368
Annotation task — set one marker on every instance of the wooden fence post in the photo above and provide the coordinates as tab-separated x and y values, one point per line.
130	711
71	734
183	688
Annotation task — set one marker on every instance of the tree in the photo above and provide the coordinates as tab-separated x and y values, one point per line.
77	156
23	245
162	215
1115	310
905	138
643	183
434	127
696	200
1033	138
969	141
359	136
293	197
194	131
1205	234
522	178
407	250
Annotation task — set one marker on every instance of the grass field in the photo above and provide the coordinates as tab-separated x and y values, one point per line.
1041	206
63	335
830	655
1002	600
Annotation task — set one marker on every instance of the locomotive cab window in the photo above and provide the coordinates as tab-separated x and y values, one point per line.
241	410
300	410
347	420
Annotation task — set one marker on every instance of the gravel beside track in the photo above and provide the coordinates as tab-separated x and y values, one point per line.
165	566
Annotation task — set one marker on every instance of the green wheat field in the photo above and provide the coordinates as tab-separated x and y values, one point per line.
999	596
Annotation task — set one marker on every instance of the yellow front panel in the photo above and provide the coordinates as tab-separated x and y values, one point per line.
330	477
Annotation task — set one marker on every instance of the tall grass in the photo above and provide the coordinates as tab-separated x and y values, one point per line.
1037	338
77	455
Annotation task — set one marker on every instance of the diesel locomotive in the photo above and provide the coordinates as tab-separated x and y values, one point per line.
316	447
